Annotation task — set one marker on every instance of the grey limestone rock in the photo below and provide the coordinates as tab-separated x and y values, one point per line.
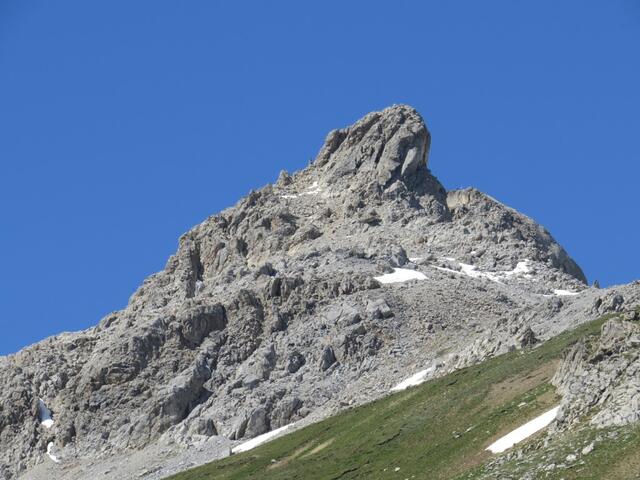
527	338
327	358
382	147
603	376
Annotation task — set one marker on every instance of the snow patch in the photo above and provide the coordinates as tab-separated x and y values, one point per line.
564	293
523	432
45	414
413	380
50	453
260	439
523	268
400	275
313	190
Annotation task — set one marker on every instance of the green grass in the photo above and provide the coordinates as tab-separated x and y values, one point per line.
616	455
438	430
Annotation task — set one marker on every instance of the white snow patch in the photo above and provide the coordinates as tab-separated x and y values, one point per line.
260	439
523	432
50	454
563	293
413	380
400	275
522	269
313	190
415	259
45	414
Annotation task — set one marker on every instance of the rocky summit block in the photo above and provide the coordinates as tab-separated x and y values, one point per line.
320	291
382	147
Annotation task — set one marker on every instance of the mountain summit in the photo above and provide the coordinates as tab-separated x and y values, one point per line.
319	292
381	148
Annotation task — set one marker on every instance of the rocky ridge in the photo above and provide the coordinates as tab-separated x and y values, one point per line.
602	376
277	310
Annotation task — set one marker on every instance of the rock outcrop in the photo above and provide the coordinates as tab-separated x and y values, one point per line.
601	376
382	148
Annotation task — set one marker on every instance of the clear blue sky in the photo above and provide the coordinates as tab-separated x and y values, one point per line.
122	124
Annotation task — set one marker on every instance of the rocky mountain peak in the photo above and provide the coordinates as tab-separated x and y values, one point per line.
310	294
381	148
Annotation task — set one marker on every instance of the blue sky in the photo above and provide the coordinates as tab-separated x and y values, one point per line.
122	124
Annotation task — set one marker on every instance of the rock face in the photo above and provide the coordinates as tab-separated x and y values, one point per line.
381	148
270	312
509	229
603	376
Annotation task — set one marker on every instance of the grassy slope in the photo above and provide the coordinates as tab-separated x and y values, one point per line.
438	430
616	456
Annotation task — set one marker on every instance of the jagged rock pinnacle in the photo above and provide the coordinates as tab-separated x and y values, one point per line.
381	147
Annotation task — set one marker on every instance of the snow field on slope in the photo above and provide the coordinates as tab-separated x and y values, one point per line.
413	380
260	439
523	432
523	268
564	293
400	275
313	190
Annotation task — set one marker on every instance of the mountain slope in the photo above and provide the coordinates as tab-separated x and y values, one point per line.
286	308
441	430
